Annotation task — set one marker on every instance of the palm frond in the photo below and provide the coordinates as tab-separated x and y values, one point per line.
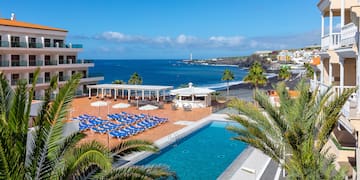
331	115
130	146
139	172
82	157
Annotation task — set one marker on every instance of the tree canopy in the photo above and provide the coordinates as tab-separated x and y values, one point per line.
295	132
135	79
256	75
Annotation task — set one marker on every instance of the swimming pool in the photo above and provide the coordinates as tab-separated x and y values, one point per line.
204	154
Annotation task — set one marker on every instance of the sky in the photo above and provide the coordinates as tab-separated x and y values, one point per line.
172	29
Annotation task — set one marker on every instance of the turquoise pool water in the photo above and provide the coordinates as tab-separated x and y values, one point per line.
204	154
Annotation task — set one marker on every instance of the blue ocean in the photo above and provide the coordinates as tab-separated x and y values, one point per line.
166	72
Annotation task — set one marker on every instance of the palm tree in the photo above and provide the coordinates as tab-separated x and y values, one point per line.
295	131
118	82
309	70
256	75
135	79
284	73
43	152
227	76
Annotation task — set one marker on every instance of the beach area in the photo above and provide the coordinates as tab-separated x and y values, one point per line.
245	90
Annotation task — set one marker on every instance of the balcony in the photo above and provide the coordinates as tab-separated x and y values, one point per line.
47	79
38	81
39	45
317	85
348	33
50	62
62	45
14	82
4	44
35	45
347	38
36	63
92	78
18	63
331	42
4	63
63	78
18	44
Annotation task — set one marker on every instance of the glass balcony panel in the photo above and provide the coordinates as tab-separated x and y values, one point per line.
4	43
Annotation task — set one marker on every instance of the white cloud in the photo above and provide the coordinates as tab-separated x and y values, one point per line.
184	39
119	37
227	41
181	42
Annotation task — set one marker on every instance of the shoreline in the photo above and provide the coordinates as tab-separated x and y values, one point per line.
272	81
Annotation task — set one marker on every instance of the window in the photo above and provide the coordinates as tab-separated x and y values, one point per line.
32	60
32	42
15	41
58	43
47	60
31	78
61	76
61	59
47	77
14	78
71	59
15	60
47	42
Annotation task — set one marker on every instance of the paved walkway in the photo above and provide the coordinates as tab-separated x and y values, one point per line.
253	167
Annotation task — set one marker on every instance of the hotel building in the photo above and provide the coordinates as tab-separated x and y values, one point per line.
340	69
24	47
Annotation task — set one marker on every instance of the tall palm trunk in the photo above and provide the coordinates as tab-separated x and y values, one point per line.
227	92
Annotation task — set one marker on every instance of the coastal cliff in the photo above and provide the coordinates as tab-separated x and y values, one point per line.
243	61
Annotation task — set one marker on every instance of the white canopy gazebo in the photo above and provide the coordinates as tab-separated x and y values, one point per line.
194	96
129	88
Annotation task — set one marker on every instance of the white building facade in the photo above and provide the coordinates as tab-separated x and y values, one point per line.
24	47
340	69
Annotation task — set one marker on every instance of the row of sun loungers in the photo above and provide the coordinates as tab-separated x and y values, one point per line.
126	124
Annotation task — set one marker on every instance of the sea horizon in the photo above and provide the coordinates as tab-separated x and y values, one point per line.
177	73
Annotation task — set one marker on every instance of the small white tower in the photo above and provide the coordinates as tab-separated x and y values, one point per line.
13	18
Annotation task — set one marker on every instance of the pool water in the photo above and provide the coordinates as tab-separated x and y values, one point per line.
204	154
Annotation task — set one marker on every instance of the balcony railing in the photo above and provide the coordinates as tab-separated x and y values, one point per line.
35	45
18	44
94	75
84	61
47	79
4	63
317	85
64	78
38	81
14	82
36	63
61	45
4	43
348	33
331	42
50	63
39	45
18	63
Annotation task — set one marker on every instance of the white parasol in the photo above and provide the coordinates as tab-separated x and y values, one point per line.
99	104
121	105
148	107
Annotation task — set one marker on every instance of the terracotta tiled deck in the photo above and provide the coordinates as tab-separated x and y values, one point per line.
82	106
